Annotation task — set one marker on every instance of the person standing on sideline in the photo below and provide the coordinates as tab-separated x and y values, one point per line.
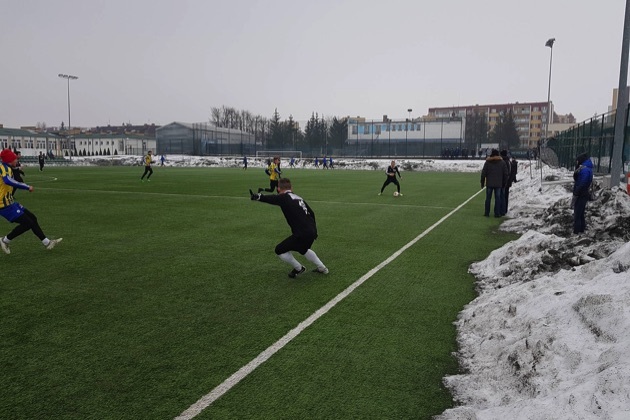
513	170
42	160
392	170
13	211
148	160
506	186
324	163
511	180
245	162
331	162
17	171
162	160
583	177
316	162
494	176
292	163
274	172
301	219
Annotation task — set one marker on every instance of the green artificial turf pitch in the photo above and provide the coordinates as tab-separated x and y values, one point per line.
161	290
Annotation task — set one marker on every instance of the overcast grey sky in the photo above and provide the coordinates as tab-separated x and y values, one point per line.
145	61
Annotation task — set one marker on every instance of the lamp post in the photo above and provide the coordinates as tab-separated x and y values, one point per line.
389	133
68	77
407	130
549	44
622	104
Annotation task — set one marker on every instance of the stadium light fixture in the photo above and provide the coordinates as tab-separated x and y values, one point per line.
68	77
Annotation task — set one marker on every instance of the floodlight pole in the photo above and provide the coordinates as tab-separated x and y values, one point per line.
68	77
622	104
407	131
389	133
549	44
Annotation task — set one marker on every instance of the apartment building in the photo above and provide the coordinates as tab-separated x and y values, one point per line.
530	117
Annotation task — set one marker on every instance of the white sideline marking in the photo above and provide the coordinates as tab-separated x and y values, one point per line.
239	375
231	197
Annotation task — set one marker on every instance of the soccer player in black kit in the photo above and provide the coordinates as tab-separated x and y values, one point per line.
392	170
301	219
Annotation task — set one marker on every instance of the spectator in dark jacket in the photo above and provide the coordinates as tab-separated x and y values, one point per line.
506	186
17	171
583	177
513	171
494	176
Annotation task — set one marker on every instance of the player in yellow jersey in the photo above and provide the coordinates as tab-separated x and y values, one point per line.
148	160
13	211
274	172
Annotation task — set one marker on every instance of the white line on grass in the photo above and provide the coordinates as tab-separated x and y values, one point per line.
50	179
239	375
233	197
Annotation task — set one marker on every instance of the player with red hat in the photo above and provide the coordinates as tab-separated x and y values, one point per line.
13	211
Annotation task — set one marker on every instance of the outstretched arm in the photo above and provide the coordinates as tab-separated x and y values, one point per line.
13	183
271	199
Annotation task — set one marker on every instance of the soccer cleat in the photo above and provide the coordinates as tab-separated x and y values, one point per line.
52	243
294	273
400	194
380	193
5	247
323	270
259	190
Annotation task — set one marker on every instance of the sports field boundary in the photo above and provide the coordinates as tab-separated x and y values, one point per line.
206	400
229	197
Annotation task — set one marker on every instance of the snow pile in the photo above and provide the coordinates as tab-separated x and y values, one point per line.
547	337
420	165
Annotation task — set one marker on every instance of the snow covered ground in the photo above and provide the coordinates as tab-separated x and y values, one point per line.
547	338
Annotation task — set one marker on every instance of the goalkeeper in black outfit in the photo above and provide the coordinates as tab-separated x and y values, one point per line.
301	219
392	170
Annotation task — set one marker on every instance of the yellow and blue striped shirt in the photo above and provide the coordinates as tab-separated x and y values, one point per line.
7	184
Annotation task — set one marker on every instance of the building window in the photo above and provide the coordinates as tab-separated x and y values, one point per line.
355	129
377	129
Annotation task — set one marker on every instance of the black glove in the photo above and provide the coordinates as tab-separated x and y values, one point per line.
254	196
482	185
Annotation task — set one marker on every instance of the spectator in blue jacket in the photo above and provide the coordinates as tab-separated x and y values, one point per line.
583	177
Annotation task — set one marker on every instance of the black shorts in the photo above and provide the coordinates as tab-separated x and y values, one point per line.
300	244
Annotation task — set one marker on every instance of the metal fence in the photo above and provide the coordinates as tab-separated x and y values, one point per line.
361	149
594	136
